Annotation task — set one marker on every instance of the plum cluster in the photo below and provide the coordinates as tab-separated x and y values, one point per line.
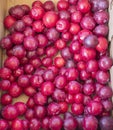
58	57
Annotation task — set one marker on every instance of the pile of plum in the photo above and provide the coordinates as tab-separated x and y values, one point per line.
58	56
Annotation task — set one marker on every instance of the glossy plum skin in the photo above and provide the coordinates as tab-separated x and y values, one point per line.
70	123
9	21
55	123
6	99
17	124
12	63
10	112
88	23
35	124
56	72
4	125
91	41
94	108
106	123
50	18
53	109
21	107
86	123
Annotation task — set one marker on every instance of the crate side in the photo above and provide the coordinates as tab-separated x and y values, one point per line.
110	38
3	10
29	2
110	20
